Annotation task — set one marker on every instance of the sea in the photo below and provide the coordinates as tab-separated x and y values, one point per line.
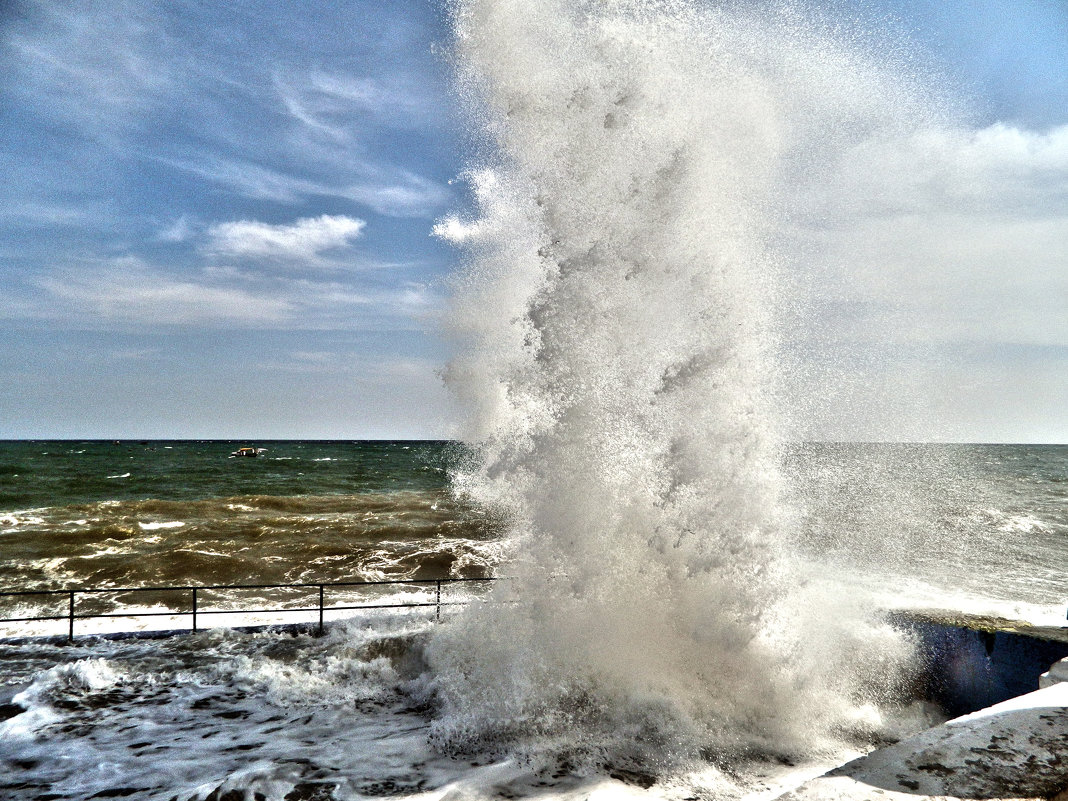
177	513
279	711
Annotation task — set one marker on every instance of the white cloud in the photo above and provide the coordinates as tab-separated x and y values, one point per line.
180	230
131	291
949	220
912	254
304	240
1001	168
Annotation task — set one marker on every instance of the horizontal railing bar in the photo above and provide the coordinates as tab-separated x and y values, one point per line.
314	585
303	609
37	592
432	585
129	614
244	611
180	613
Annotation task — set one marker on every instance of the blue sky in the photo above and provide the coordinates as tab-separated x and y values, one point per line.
215	219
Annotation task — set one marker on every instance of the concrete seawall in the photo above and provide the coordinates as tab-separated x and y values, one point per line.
972	662
1010	740
1017	749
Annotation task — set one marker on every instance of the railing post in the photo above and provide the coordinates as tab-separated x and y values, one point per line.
70	631
194	609
321	610
437	611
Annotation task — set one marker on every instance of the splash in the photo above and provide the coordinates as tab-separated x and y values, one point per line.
617	328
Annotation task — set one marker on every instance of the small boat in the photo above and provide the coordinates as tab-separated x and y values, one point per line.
249	452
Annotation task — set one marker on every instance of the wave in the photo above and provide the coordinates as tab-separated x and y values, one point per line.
618	360
249	540
154	526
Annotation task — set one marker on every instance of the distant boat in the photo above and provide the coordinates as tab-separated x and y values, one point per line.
249	452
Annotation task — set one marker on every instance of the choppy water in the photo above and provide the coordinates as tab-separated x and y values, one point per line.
981	528
98	515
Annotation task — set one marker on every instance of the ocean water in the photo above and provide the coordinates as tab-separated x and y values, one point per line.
142	514
354	713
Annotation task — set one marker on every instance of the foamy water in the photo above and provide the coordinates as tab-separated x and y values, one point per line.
273	715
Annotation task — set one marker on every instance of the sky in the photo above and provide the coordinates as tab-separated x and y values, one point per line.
215	219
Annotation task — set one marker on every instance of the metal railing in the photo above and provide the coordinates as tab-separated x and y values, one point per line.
196	610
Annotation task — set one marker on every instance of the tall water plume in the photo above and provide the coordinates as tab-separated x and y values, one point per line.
616	328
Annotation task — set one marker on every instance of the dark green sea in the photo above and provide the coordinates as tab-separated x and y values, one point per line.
941	524
130	514
62	473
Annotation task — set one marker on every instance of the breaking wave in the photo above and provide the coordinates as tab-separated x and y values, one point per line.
616	324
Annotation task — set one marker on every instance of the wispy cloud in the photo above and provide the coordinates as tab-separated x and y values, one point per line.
399	193
48	214
385	189
128	290
333	104
70	71
129	80
304	240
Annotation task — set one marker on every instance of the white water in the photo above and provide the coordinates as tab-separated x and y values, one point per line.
616	320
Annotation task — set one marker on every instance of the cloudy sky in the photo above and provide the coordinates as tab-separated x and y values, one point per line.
941	257
215	219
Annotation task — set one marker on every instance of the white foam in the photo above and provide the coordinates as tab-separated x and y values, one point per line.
23	517
1024	524
160	525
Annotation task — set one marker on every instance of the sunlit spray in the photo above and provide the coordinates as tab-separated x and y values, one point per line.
616	333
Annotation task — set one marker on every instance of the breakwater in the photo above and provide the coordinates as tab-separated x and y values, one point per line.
972	662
